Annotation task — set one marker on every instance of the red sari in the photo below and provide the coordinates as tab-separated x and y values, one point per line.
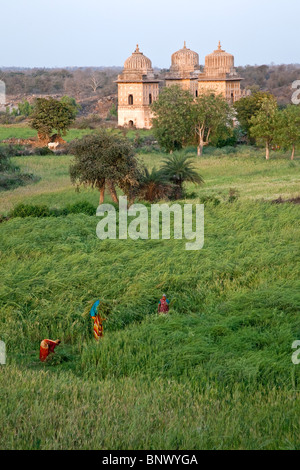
47	347
163	305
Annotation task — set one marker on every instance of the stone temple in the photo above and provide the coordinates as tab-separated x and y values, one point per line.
138	87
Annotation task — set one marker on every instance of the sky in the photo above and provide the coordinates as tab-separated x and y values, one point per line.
62	33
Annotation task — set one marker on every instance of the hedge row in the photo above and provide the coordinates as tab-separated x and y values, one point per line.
30	210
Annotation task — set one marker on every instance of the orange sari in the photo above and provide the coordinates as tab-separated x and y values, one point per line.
98	326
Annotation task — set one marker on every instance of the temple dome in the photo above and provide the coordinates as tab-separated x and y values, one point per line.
185	60
219	62
137	62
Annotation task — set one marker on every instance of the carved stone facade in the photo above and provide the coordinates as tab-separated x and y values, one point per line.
184	70
220	75
138	87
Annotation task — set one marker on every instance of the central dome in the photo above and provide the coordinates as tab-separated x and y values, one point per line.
219	62
138	62
185	60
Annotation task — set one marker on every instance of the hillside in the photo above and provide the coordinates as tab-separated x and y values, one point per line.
91	86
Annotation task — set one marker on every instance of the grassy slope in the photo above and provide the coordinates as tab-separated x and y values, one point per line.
253	177
215	373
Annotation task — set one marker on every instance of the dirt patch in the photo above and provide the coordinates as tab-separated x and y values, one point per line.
35	142
295	200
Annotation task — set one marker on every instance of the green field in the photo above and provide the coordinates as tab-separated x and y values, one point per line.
216	373
23	131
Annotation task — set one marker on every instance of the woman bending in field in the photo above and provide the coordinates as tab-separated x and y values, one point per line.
163	305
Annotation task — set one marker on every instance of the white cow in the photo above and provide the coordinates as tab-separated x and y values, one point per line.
53	145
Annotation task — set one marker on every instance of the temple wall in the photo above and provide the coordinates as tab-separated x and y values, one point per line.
218	87
138	116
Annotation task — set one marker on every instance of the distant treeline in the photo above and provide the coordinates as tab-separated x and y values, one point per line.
83	82
77	82
276	79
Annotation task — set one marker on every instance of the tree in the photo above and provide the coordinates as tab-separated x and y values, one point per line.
289	129
265	124
177	169
51	115
153	186
94	82
172	124
248	107
104	159
212	116
71	102
24	109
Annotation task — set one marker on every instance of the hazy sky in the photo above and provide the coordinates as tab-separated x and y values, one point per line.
49	33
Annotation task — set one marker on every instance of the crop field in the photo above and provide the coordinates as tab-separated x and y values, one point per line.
215	373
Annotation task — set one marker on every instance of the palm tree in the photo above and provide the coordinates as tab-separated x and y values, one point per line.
177	168
153	185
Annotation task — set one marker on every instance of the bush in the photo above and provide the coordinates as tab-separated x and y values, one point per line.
83	207
13	180
28	210
19	150
43	151
5	163
233	195
92	121
210	199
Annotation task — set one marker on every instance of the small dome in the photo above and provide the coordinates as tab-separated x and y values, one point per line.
138	62
220	61
185	60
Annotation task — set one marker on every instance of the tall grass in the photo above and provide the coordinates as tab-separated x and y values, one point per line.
43	410
215	373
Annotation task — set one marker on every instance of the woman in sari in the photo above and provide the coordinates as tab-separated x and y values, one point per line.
47	346
163	305
98	320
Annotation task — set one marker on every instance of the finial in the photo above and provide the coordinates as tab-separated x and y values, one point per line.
219	45
137	48
184	46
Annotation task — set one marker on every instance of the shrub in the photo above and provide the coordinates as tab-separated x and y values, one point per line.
233	195
43	151
83	207
210	199
13	180
5	163
28	210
